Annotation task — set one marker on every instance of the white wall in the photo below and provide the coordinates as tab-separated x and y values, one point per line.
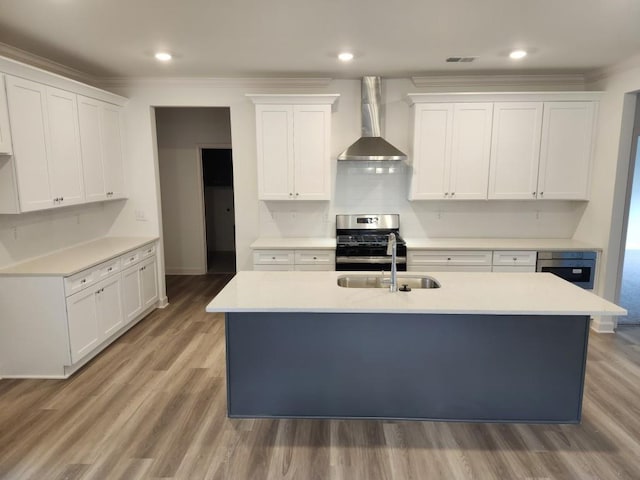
355	190
633	232
38	233
180	132
602	222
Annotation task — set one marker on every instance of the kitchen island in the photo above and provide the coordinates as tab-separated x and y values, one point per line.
489	347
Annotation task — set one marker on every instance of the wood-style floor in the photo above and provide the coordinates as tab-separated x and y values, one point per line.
153	405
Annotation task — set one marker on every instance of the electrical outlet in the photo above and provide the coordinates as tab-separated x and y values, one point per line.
140	216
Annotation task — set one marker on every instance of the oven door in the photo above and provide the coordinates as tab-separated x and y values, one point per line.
578	272
369	263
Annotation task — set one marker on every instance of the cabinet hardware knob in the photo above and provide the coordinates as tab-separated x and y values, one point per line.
273	258
446	194
541	194
453	193
515	258
62	199
315	258
290	194
131	259
84	280
448	258
109	269
534	194
297	194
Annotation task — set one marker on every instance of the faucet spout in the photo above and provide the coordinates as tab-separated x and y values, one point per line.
392	250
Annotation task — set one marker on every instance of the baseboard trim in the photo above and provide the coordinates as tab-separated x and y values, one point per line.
603	324
185	271
163	302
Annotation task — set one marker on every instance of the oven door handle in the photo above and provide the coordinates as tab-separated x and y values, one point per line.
381	260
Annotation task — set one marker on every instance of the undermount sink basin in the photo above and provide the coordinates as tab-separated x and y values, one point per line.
377	281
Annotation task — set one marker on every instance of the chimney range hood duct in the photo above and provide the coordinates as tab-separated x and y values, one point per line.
371	146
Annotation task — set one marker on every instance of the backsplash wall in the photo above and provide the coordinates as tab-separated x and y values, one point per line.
38	233
384	188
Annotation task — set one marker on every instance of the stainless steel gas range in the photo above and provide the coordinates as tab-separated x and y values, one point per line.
361	242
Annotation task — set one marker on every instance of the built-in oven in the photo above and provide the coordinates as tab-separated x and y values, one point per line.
578	268
362	240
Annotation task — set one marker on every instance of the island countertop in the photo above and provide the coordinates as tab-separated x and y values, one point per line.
491	293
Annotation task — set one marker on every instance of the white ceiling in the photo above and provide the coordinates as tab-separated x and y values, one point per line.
117	38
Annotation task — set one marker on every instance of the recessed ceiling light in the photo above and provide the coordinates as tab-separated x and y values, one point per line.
163	56
345	56
518	54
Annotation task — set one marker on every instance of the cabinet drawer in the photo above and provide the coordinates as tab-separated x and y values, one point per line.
449	268
514	268
108	268
147	251
315	257
273	257
274	268
440	257
310	268
513	257
79	281
130	258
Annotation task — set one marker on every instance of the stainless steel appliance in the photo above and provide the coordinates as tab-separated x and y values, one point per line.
578	268
362	241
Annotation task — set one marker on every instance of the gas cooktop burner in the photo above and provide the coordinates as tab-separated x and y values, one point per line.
371	239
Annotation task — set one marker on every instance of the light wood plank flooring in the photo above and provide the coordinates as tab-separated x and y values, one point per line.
153	406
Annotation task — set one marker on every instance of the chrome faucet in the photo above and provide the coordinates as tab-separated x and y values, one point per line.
392	250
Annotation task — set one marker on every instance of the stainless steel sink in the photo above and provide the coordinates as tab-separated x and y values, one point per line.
378	281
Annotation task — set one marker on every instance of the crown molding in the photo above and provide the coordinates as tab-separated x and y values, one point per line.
219	82
545	96
46	64
572	81
612	70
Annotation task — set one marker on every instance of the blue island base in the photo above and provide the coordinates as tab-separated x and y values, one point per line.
472	368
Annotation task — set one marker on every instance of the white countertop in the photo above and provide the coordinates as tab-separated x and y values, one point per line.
300	243
460	293
77	258
294	243
497	244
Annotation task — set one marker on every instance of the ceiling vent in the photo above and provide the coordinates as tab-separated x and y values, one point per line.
461	59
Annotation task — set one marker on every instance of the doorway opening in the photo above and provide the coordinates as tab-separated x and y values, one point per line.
217	182
630	286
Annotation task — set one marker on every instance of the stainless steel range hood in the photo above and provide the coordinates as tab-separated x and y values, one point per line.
371	146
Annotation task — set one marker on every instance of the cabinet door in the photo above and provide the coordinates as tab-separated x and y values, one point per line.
5	133
515	150
432	151
112	148
82	317
565	153
312	156
66	165
471	148
149	280
109	307
131	293
30	135
91	147
274	129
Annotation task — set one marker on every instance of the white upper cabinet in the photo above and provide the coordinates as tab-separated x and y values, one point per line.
66	164
293	146
565	150
5	132
112	147
30	134
91	145
57	148
102	149
451	151
515	149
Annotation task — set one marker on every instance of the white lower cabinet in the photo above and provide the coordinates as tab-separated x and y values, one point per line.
472	260
288	260
75	316
82	315
131	293
449	261
93	315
